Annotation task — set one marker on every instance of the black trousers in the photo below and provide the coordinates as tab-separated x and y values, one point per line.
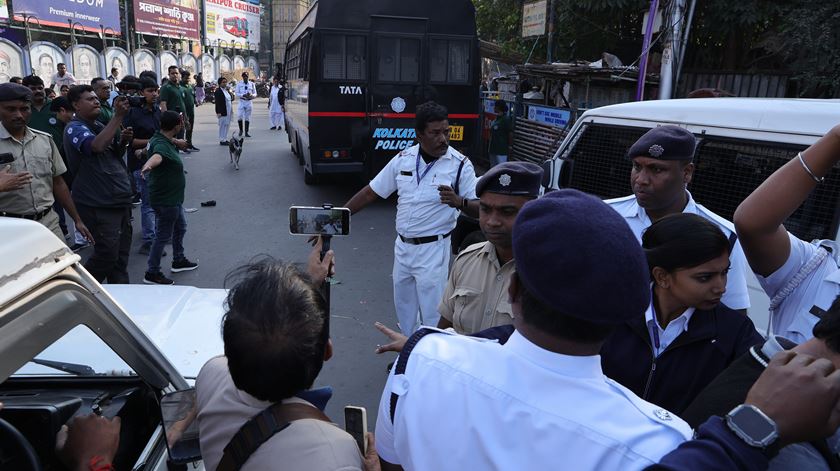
189	130
111	229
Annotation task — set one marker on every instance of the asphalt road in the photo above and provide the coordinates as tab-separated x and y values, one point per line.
251	219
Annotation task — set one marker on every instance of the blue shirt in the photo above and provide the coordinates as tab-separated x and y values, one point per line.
100	179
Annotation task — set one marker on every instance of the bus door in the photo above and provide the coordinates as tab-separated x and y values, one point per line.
397	86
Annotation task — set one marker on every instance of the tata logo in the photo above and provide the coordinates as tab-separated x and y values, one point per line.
350	90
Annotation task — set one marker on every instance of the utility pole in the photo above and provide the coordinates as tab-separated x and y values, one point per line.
643	60
552	8
671	49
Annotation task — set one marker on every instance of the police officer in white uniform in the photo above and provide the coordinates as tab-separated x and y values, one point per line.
540	401
433	182
245	91
662	169
802	279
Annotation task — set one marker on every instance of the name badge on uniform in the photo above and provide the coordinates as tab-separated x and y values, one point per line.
406	173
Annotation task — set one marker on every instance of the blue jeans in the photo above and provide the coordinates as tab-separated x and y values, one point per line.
147	214
171	224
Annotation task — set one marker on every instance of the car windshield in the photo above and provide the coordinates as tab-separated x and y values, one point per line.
79	352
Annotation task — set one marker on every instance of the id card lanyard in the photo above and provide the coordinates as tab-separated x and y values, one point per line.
428	167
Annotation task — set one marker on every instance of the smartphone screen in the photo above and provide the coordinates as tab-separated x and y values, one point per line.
319	221
6	158
355	423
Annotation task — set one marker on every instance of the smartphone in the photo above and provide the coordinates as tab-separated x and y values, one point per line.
355	423
6	158
319	221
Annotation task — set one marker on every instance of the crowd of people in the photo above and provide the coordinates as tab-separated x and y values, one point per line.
79	162
581	334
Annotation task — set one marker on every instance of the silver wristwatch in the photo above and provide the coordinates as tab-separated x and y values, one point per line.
752	426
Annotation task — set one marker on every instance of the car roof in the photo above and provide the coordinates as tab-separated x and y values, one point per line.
31	254
784	115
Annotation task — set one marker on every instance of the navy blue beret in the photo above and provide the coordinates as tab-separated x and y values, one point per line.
664	143
14	91
511	178
578	257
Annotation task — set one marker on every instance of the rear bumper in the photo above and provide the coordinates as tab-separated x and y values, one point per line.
337	167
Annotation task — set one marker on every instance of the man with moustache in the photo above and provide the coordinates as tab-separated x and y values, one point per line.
101	186
40	106
433	181
32	181
662	169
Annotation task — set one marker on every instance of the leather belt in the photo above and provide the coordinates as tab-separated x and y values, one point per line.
32	217
424	240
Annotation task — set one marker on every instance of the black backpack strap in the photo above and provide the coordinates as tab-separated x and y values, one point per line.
260	428
402	360
457	186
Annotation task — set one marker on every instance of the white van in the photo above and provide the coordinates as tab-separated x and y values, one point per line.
741	141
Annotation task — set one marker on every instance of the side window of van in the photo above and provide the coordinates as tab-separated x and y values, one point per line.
727	170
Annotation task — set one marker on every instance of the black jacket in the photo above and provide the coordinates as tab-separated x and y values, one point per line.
714	339
219	98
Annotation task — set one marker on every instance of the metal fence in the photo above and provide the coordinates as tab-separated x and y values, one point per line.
737	83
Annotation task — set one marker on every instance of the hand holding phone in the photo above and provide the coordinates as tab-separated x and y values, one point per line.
319	221
355	423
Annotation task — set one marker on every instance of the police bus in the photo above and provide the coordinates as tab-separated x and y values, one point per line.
356	71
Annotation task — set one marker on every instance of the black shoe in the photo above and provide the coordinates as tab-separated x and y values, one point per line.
224	143
156	279
273	128
240	133
247	135
183	265
194	148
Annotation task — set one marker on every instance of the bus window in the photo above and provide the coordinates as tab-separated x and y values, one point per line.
398	60
449	61
343	57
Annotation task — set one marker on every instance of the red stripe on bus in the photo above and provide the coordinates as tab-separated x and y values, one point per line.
343	114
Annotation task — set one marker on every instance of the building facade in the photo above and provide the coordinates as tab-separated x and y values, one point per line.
285	16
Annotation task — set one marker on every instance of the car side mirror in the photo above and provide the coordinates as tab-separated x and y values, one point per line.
179	411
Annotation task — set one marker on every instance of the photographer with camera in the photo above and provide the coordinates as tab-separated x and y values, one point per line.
101	185
144	119
102	88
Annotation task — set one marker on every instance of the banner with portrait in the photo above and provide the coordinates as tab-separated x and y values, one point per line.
225	64
238	62
144	59
172	18
208	68
11	60
166	59
117	58
86	63
188	62
90	15
233	20
254	65
43	59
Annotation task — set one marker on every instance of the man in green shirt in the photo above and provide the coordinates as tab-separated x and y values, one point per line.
172	97
102	89
501	134
164	172
41	114
189	104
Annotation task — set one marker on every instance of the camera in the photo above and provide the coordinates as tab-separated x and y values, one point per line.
136	101
133	100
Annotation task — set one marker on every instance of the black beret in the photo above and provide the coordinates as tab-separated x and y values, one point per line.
664	143
14	91
512	178
578	257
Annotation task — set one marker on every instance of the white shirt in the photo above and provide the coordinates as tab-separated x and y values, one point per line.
66	79
307	444
660	338
274	103
419	210
792	319
737	295
243	88
467	404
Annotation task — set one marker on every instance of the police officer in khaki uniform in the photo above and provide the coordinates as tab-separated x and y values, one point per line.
30	178
476	295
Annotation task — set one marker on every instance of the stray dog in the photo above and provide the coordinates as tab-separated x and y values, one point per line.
235	148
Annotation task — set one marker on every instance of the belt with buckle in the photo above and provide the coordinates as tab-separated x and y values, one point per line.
424	240
32	217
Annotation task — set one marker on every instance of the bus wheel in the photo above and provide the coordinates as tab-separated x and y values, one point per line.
308	178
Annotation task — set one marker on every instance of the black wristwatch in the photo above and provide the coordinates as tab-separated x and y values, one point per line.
754	427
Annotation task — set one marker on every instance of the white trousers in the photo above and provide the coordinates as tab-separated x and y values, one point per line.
419	274
224	127
244	110
276	119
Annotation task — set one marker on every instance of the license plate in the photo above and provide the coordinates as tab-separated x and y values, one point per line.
456	133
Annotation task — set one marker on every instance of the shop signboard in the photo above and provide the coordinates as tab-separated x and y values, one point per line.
171	18
233	20
91	15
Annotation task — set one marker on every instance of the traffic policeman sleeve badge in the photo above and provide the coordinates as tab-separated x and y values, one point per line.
662	414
